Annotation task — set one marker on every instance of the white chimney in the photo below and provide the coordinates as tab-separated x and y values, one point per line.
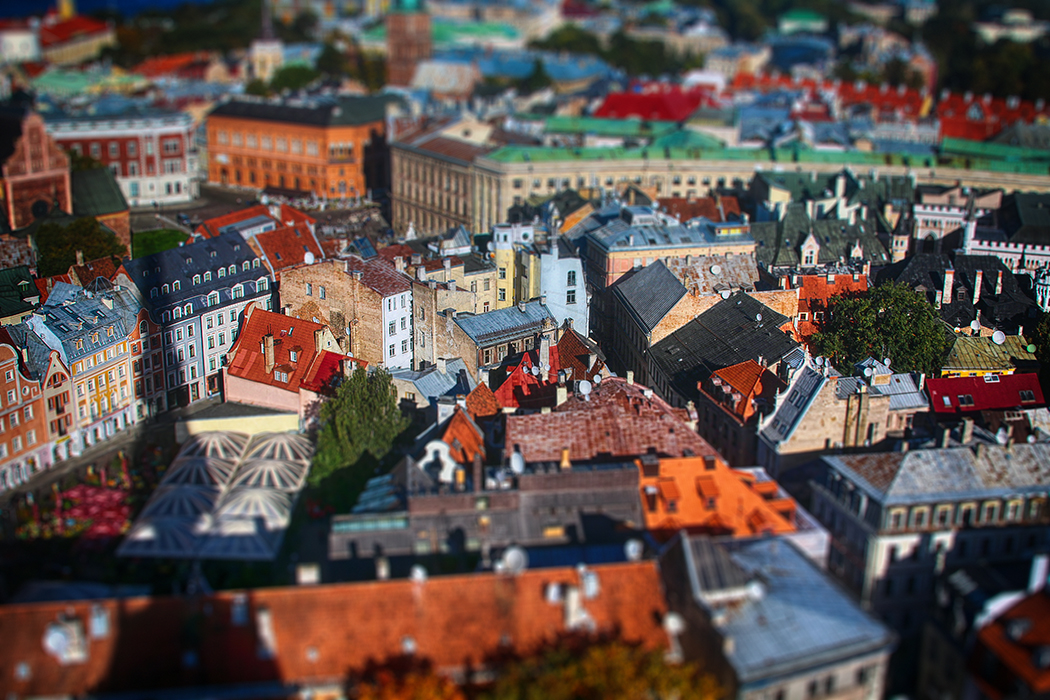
978	280
1037	575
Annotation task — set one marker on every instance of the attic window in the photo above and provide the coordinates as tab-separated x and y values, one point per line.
965	399
1027	396
277	255
991	379
947	401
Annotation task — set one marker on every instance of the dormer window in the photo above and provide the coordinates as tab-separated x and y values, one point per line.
213	299
222	272
188	310
207	276
238	291
255	263
178	313
164	289
293	356
153	293
263	284
246	266
233	269
196	279
176	286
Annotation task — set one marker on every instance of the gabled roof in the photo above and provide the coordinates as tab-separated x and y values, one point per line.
954	473
74	28
289	246
493	327
377	275
735	329
271	640
982	353
779	243
463	436
431	382
649	294
793	404
1017	654
988	393
87	273
618	420
482	403
714	208
752	381
290	335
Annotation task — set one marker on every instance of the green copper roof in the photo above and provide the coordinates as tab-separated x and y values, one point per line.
597	126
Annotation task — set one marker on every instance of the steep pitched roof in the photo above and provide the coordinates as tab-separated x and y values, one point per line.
289	246
1018	655
96	192
816	291
512	322
482	403
983	354
463	436
283	637
649	294
290	336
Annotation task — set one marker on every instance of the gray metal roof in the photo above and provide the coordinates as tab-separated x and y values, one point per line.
496	326
649	294
793	404
800	621
902	389
73	314
953	473
431	382
620	235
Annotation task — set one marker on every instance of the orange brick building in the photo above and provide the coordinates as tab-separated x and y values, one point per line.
330	148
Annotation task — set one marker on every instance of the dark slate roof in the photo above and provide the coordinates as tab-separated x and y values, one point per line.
16	284
182	263
726	334
346	111
73	314
96	192
649	294
779	243
37	351
924	272
1026	217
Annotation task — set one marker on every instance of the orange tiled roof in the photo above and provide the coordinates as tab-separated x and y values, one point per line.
93	269
157	66
571	354
685	493
464	437
482	403
618	420
210	228
1016	656
707	207
319	633
290	335
73	28
288	246
751	380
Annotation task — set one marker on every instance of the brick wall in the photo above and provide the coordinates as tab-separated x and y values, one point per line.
347	302
427	302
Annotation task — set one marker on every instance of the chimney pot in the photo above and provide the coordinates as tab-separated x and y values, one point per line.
521	306
452	285
561	394
565	463
319	340
630	377
977	282
442	365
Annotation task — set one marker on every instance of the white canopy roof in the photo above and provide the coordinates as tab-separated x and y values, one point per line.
281	446
274	507
271	474
181	502
199	471
223	445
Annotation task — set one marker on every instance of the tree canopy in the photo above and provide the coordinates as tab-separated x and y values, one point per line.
294	77
890	320
57	245
416	685
361	418
604	671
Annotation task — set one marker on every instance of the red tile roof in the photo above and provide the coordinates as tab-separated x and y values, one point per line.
1017	657
751	380
663	104
571	354
618	420
290	334
978	394
158	66
93	269
814	293
378	276
288	246
74	28
319	634
452	148
289	216
714	208
980	118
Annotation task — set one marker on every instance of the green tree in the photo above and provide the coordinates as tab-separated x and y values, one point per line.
82	161
603	671
415	685
361	418
57	246
569	37
890	320
256	86
294	77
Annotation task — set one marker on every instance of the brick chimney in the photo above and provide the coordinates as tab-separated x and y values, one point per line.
561	395
565	463
545	351
521	306
80	257
978	280
442	365
421	273
452	285
949	282
319	340
399	263
268	352
999	283
630	377
479	474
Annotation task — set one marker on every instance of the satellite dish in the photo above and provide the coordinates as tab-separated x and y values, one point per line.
597	379
535	370
514	560
517	463
758	317
819	361
724	293
975	325
264	200
867	371
418	573
586	387
716	269
56	641
1030	348
546	368
633	549
998	337
886	361
308	258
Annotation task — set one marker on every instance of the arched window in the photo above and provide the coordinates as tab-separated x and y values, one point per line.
176	286
222	272
207	276
238	291
213	299
177	313
255	263
164	288
233	269
263	284
187	310
153	293
143	328
196	279
246	266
